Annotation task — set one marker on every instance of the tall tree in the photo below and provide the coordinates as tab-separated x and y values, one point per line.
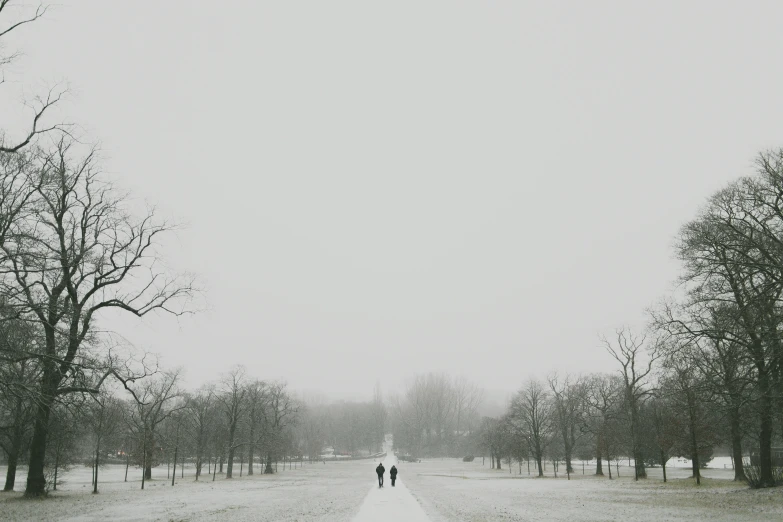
256	402
568	397
233	403
531	410
81	254
280	413
732	253
199	418
636	359
157	398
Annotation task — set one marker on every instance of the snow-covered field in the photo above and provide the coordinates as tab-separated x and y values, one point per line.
446	489
333	491
449	489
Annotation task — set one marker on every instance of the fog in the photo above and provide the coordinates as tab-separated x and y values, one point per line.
373	191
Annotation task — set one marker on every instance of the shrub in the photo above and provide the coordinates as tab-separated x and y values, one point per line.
753	476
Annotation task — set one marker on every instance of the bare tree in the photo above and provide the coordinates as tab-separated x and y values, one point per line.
568	398
199	418
280	412
636	360
604	392
379	417
82	254
531	410
256	399
233	404
716	348
468	398
157	398
732	254
663	421
104	420
11	22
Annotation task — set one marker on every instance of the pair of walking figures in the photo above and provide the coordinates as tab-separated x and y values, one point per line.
392	473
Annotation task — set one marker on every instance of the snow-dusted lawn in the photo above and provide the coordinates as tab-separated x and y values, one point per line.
447	489
450	489
332	492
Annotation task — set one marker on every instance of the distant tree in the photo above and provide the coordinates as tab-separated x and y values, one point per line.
602	402
379	417
232	400
157	399
198	418
531	410
636	359
568	396
693	415
280	412
104	419
662	417
65	429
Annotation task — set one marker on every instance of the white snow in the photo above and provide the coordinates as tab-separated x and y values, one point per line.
439	490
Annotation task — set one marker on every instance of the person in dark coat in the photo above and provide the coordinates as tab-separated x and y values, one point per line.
393	474
379	470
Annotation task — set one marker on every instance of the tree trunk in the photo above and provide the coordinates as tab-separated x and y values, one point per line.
695	452
230	465
599	470
736	447
127	463
539	464
144	459
15	448
268	470
638	460
250	451
36	481
174	474
97	463
10	475
765	431
663	465
56	469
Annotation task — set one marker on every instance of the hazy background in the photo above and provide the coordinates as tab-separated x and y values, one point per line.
377	190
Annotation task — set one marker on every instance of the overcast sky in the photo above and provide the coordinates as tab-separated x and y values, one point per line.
376	190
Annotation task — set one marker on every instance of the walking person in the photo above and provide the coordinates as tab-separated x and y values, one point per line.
393	473
379	470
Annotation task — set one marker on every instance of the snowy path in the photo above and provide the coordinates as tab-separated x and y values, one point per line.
390	503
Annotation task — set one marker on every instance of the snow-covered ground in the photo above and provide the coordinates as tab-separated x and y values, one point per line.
450	489
331	491
439	490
